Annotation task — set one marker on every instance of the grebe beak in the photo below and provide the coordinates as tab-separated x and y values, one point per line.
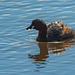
30	27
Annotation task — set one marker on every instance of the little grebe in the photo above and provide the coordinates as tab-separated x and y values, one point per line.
54	31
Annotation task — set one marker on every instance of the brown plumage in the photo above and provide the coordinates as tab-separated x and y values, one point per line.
54	31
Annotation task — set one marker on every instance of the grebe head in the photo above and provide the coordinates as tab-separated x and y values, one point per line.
37	24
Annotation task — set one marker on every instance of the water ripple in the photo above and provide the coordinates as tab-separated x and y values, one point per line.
5	15
19	51
44	0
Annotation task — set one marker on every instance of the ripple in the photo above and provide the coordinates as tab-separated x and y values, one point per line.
44	0
11	9
64	16
8	34
26	70
6	15
19	3
13	52
34	9
1	17
68	7
2	0
66	12
16	43
72	23
12	58
66	62
64	0
32	13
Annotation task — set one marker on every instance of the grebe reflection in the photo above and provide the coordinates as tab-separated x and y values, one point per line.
47	48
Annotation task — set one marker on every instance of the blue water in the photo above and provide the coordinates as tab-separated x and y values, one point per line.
20	54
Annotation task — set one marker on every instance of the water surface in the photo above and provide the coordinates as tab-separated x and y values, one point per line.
20	54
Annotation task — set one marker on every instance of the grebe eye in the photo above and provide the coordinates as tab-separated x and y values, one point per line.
58	22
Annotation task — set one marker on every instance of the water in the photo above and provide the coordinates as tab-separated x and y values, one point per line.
20	54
